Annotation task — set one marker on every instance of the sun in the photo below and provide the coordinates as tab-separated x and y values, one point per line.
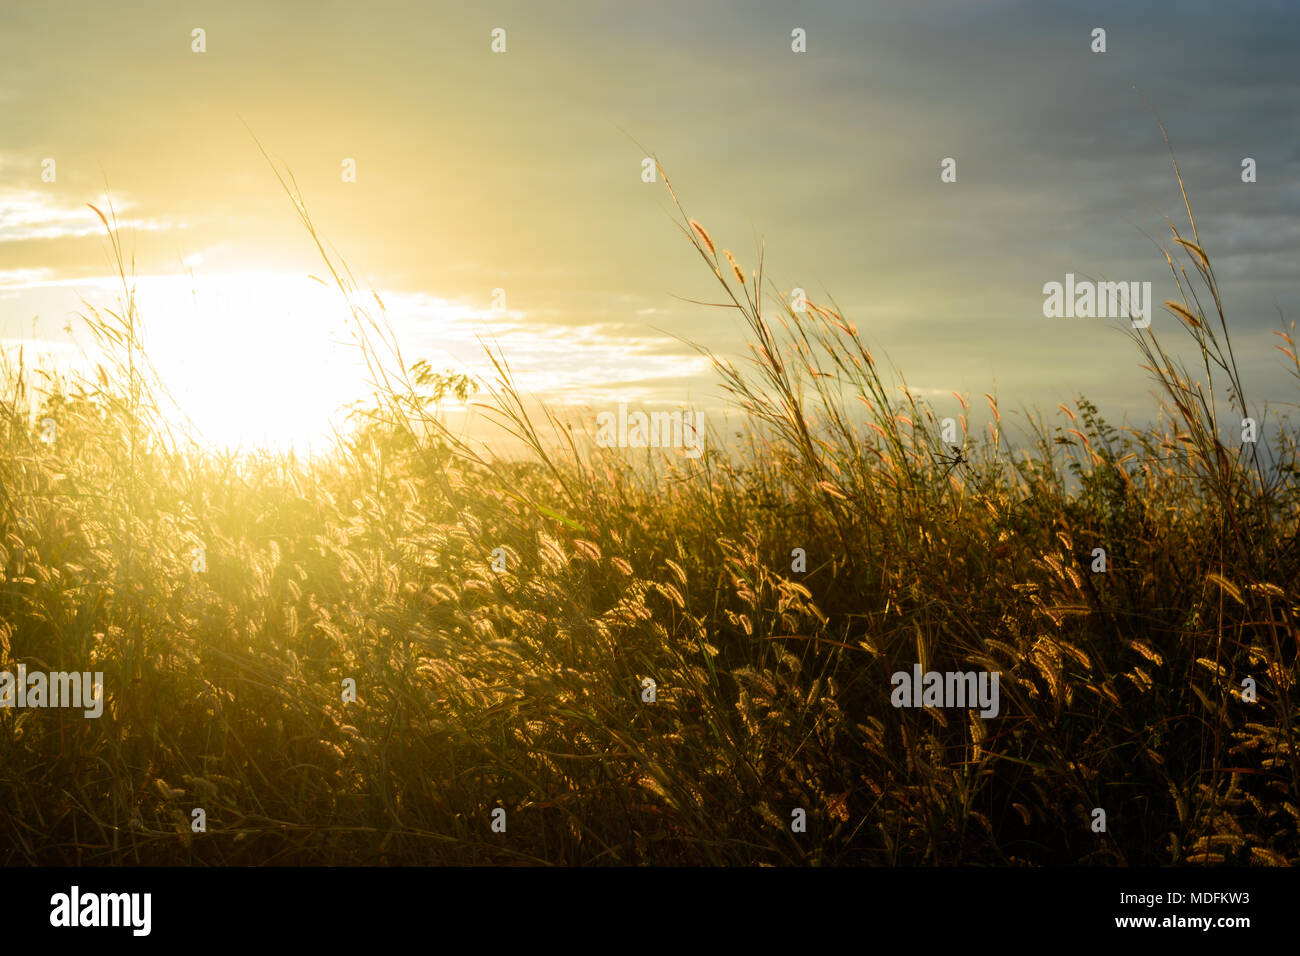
252	359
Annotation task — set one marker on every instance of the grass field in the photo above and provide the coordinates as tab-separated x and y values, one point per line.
228	600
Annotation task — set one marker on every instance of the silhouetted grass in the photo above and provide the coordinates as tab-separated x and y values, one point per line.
522	689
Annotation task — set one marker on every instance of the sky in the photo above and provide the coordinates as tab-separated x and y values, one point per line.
521	171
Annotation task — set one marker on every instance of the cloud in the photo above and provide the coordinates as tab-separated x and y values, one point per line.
29	214
11	279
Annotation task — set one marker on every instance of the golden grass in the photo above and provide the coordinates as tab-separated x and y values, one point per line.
521	688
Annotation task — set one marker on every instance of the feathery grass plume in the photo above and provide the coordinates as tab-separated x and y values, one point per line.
704	235
1183	313
734	267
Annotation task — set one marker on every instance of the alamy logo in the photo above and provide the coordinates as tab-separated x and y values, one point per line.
55	689
103	909
655	430
1098	300
948	689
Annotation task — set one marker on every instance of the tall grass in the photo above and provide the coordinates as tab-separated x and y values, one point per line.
521	688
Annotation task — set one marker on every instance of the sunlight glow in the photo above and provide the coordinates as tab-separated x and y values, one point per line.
252	358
